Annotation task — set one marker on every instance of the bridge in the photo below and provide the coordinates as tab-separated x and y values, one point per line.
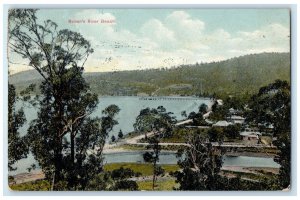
173	98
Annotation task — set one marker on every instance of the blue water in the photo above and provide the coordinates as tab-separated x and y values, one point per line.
164	158
130	108
170	158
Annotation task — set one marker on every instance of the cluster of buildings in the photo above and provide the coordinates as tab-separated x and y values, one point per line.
250	136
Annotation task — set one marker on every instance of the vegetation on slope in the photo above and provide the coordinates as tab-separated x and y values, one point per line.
241	76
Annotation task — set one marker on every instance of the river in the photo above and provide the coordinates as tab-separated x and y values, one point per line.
164	158
129	109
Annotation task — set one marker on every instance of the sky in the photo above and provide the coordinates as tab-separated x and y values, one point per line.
136	39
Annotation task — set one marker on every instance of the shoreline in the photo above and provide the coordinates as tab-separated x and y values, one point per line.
233	154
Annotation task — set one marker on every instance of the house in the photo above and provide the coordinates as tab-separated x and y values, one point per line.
222	124
235	119
206	115
250	137
220	102
232	111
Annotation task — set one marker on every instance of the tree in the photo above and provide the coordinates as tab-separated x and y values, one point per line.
128	185
120	134
113	138
17	148
203	108
272	106
232	131
121	176
197	118
160	123
183	114
215	134
201	165
153	157
65	141
157	121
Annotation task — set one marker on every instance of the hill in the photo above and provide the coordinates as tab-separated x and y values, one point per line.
242	75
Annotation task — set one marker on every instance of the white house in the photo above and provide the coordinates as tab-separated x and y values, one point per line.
220	102
250	137
236	119
222	124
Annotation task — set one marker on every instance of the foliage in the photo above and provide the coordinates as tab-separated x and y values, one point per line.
120	134
17	148
239	184
121	176
153	157
272	106
200	165
160	122
100	182
126	185
240	76
122	173
198	119
232	131
203	108
113	138
140	169
65	141
218	112
215	134
39	185
157	120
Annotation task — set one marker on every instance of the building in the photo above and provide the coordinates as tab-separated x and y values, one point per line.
206	115
250	137
222	124
235	119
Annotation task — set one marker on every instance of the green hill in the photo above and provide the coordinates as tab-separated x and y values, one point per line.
237	76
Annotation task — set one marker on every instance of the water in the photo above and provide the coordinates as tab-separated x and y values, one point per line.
170	158
130	107
137	157
164	158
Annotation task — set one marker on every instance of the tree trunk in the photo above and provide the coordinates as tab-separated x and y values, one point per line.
57	165
58	149
72	149
154	175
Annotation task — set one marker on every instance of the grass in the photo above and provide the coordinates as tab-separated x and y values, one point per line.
271	151
40	185
165	185
249	175
144	168
266	140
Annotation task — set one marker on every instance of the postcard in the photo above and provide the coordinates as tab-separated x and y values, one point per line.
149	99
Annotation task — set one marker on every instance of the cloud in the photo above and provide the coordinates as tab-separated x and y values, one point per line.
184	25
173	40
158	32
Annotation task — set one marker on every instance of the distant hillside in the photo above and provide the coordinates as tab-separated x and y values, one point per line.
236	76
